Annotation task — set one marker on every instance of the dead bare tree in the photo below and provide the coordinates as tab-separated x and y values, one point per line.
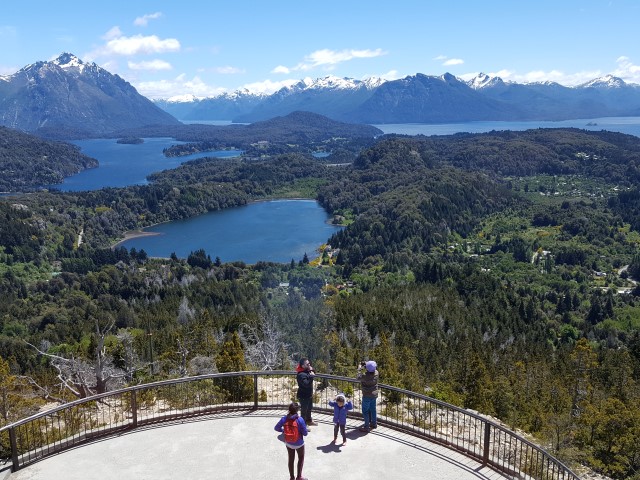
129	358
184	339
84	377
264	345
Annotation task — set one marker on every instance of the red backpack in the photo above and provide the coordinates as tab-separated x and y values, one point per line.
291	430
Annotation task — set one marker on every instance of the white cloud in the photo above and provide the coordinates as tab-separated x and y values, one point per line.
562	78
627	70
144	20
111	66
4	70
118	44
447	62
328	59
332	57
154	65
141	44
114	32
178	86
504	74
390	75
281	69
453	61
268	86
228	70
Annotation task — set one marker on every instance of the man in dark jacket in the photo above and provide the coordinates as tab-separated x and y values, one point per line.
305	389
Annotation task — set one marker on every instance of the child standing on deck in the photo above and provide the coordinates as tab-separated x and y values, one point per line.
340	409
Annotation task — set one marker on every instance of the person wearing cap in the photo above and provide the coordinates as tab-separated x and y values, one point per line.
305	374
340	409
369	385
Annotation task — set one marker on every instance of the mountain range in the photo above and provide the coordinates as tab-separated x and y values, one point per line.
68	98
420	99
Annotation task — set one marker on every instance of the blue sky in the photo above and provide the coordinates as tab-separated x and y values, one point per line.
204	48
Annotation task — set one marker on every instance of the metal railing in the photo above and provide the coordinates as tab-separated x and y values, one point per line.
99	416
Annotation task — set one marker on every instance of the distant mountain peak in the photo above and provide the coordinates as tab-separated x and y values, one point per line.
67	60
66	96
608	81
331	82
482	80
449	78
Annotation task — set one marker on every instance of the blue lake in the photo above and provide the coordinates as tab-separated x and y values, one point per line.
629	125
275	231
125	164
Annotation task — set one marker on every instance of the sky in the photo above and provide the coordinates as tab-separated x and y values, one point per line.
204	48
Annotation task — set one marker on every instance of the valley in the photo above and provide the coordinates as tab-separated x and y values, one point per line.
496	270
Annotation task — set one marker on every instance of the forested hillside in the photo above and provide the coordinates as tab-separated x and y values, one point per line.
27	161
495	271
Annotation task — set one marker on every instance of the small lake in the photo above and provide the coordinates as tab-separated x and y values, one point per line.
125	164
275	231
628	125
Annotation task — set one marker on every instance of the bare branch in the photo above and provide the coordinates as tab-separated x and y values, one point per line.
45	392
264	346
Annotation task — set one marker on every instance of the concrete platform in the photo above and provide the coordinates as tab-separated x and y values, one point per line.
245	447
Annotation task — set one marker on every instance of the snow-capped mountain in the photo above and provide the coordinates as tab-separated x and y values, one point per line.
424	98
601	97
330	96
68	97
608	81
482	80
332	82
325	95
82	99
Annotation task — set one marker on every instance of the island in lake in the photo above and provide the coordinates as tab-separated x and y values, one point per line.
130	140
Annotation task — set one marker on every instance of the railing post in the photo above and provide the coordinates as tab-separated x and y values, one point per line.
14	449
487	439
134	409
255	391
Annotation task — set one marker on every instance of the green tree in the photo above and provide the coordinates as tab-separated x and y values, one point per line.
231	359
478	386
614	436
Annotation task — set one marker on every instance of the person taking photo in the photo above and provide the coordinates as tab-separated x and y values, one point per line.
369	385
305	389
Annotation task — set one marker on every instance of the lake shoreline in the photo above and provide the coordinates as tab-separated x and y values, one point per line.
131	234
142	232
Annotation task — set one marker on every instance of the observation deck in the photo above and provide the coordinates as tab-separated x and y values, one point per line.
220	426
243	446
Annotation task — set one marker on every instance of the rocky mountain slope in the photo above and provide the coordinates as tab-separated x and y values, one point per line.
69	98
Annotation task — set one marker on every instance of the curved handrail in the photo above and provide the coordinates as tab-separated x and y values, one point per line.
80	421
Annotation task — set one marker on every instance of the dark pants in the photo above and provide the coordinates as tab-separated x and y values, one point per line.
306	404
342	431
292	457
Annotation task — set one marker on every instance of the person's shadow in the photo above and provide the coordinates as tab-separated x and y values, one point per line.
336	447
